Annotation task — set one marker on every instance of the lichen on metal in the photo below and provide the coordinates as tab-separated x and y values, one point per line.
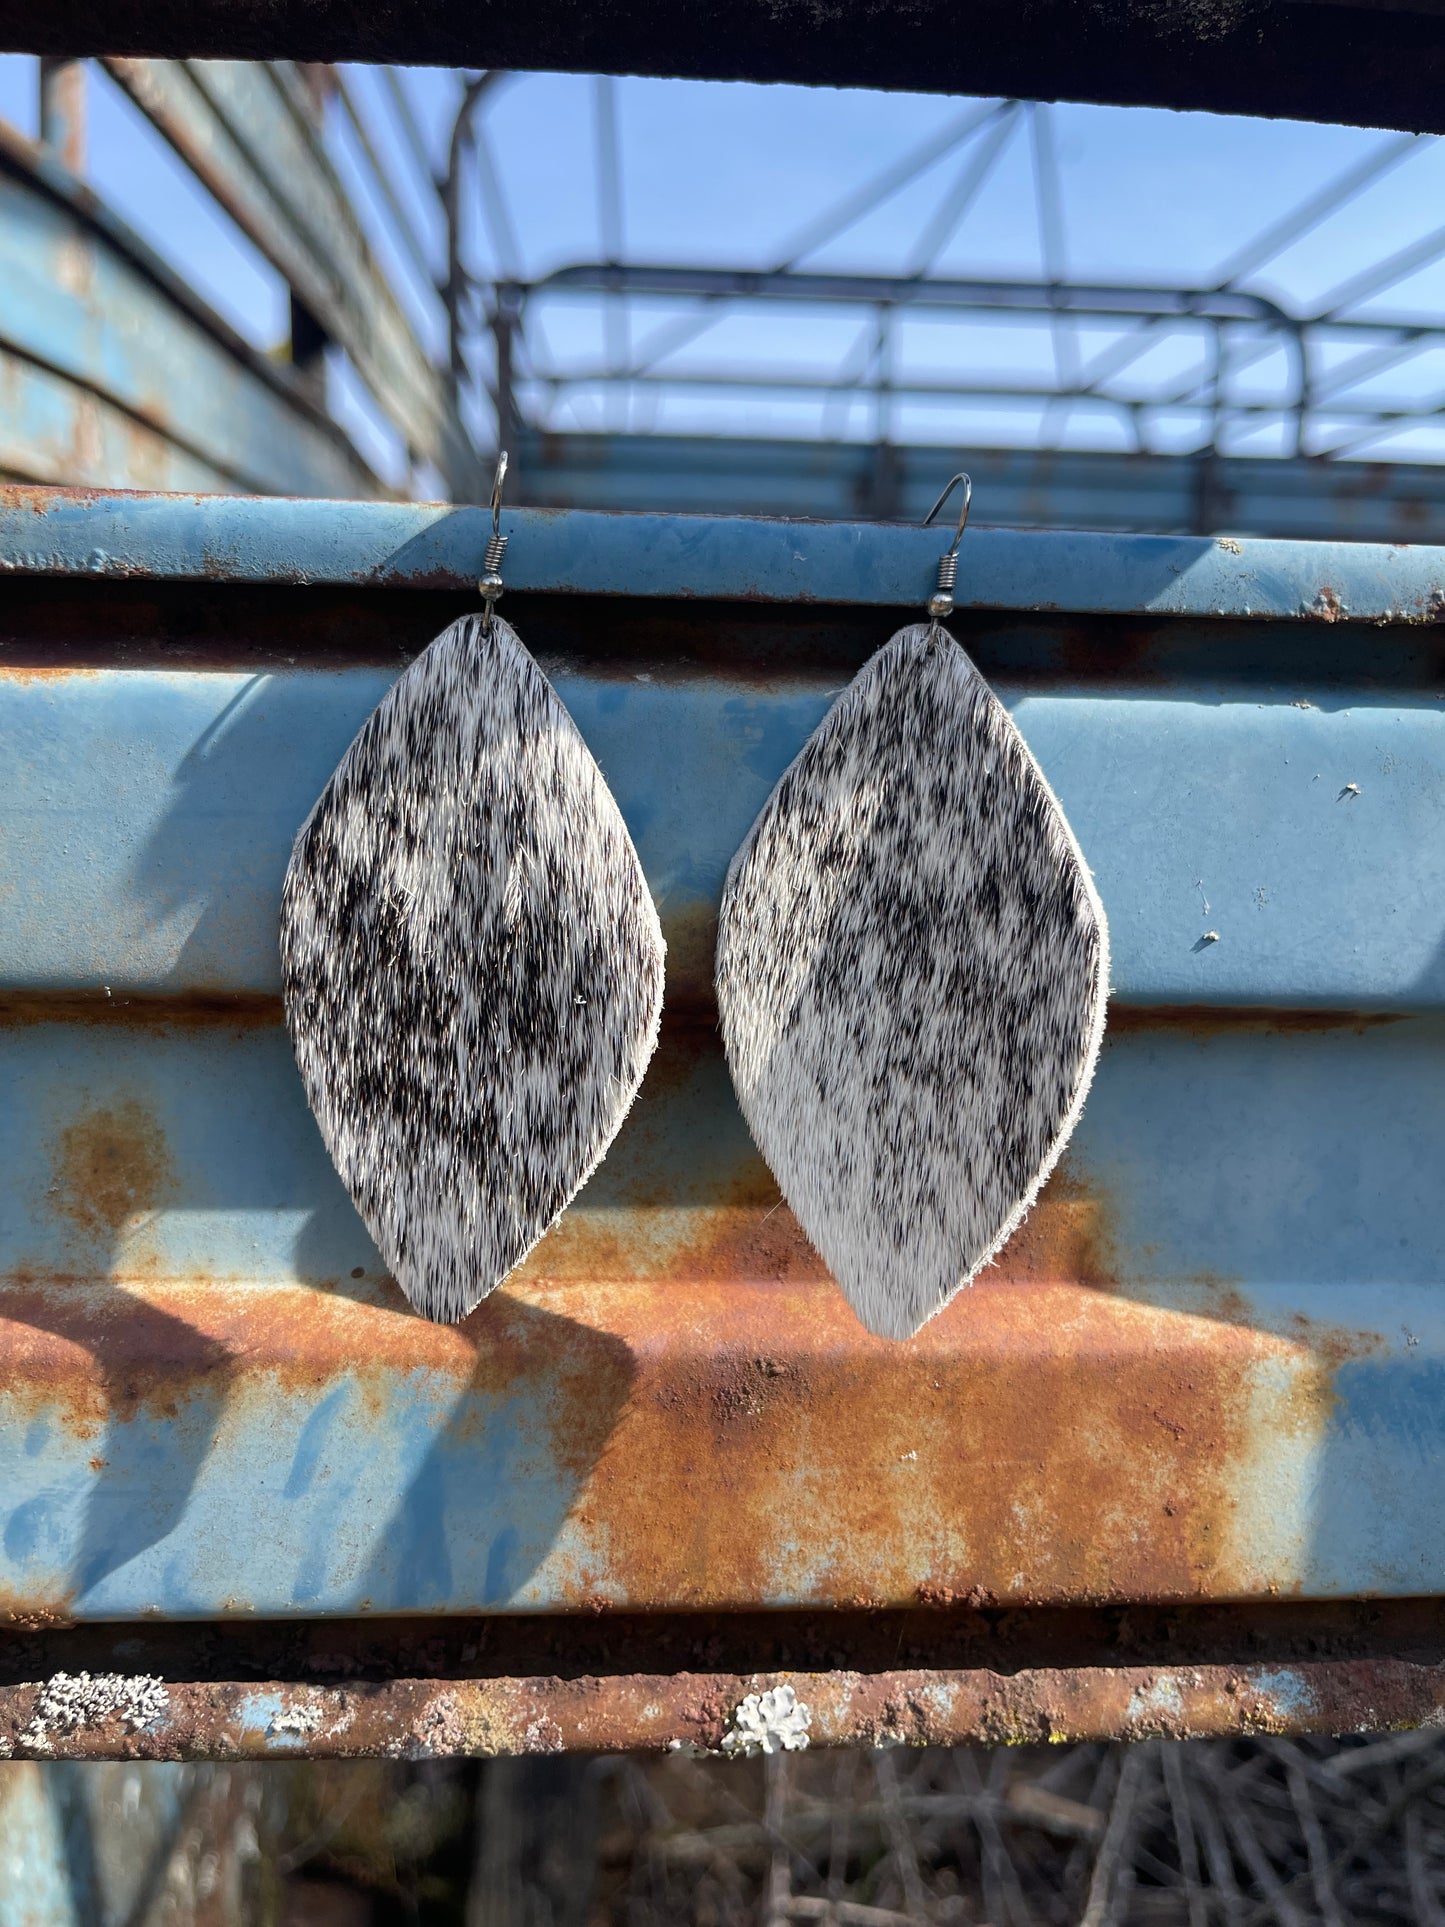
775	1721
69	1702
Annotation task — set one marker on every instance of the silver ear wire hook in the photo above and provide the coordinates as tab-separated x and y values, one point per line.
491	582
940	603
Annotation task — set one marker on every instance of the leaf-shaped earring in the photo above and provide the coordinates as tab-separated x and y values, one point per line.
471	960
912	969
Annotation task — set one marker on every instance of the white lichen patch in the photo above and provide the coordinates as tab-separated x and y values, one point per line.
772	1722
298	1720
68	1701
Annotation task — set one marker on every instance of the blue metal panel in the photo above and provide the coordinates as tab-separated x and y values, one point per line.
1209	1367
231	123
381	544
150	817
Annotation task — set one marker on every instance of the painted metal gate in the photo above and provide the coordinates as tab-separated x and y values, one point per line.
1175	1464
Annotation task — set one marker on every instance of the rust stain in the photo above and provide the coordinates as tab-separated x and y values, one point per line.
1036	1442
736	1444
1327	605
111	1167
1068	1235
1335	1345
90	1356
23	1613
11	674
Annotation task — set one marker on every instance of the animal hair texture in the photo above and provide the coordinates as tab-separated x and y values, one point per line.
472	966
912	972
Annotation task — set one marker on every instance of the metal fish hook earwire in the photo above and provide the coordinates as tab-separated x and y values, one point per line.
940	603
491	581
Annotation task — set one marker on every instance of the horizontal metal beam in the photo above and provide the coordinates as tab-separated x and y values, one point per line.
1352	890
742	383
425	546
1348	60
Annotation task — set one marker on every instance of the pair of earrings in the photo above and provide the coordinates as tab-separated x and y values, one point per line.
912	968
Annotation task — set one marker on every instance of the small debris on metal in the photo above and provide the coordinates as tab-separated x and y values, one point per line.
68	1701
1210	936
1350	789
1327	605
1228	542
772	1722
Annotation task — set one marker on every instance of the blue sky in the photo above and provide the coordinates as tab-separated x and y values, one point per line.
733	174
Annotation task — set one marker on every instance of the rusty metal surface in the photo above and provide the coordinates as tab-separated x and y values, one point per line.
427	1718
1164	1391
54	430
1348	60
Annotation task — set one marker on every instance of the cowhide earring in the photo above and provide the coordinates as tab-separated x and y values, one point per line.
912	969
471	959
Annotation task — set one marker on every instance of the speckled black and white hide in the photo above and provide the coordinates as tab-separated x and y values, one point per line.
912	970
472	966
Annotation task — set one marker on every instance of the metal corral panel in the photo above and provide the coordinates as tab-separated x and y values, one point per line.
1210	1369
113	374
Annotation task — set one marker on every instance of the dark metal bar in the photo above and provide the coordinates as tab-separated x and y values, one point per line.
1336	60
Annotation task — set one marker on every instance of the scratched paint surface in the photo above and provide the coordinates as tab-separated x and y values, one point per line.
1210	1367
